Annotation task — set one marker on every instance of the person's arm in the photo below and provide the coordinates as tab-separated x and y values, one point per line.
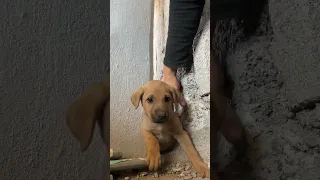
184	19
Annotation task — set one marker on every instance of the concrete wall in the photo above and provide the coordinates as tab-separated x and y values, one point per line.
196	83
273	70
130	25
50	51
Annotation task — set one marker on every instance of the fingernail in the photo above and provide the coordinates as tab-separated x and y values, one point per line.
183	102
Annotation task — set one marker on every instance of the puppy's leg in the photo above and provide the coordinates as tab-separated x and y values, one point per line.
153	150
229	122
226	119
233	130
200	166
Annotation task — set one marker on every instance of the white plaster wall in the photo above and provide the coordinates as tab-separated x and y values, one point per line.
160	34
130	24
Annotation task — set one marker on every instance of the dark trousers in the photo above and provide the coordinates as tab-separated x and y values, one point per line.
184	20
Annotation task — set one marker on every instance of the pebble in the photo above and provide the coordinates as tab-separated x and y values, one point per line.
143	174
194	175
187	168
156	175
187	177
126	178
177	169
184	173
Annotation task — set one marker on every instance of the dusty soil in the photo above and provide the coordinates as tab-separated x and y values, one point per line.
178	171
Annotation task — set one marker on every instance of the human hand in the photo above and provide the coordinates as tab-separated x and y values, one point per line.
169	77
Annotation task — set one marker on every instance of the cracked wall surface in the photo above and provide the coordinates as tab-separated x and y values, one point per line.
196	83
50	52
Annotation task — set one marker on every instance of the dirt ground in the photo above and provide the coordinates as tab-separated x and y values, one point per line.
177	171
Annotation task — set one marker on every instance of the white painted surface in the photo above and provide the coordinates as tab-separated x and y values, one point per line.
160	34
130	23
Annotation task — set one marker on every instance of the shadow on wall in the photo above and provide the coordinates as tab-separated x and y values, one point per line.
50	52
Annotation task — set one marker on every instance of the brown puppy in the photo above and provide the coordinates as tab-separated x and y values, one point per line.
93	105
161	125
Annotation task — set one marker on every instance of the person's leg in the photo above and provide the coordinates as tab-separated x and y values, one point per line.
184	19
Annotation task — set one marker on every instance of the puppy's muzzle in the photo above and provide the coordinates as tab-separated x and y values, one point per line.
160	117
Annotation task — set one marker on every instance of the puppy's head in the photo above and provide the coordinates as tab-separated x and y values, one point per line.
91	106
157	99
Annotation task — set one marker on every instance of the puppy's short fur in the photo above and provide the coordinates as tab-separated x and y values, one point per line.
161	125
91	107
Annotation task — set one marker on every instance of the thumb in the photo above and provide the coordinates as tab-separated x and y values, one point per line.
183	102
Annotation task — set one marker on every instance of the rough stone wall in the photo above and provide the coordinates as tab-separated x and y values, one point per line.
196	83
50	52
274	70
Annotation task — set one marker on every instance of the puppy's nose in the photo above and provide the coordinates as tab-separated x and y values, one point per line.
161	117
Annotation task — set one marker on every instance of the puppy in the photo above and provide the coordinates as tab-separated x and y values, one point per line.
161	125
91	107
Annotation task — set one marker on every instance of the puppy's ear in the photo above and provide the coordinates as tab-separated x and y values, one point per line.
176	95
83	113
136	97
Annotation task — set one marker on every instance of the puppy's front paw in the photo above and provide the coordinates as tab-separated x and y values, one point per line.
202	168
153	160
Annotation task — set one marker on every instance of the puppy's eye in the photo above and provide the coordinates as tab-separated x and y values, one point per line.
167	99
149	100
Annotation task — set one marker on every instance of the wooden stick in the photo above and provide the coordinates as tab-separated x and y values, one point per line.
128	164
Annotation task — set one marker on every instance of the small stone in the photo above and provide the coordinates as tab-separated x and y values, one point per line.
187	168
179	169
194	175
143	174
126	178
156	175
184	173
178	165
187	177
